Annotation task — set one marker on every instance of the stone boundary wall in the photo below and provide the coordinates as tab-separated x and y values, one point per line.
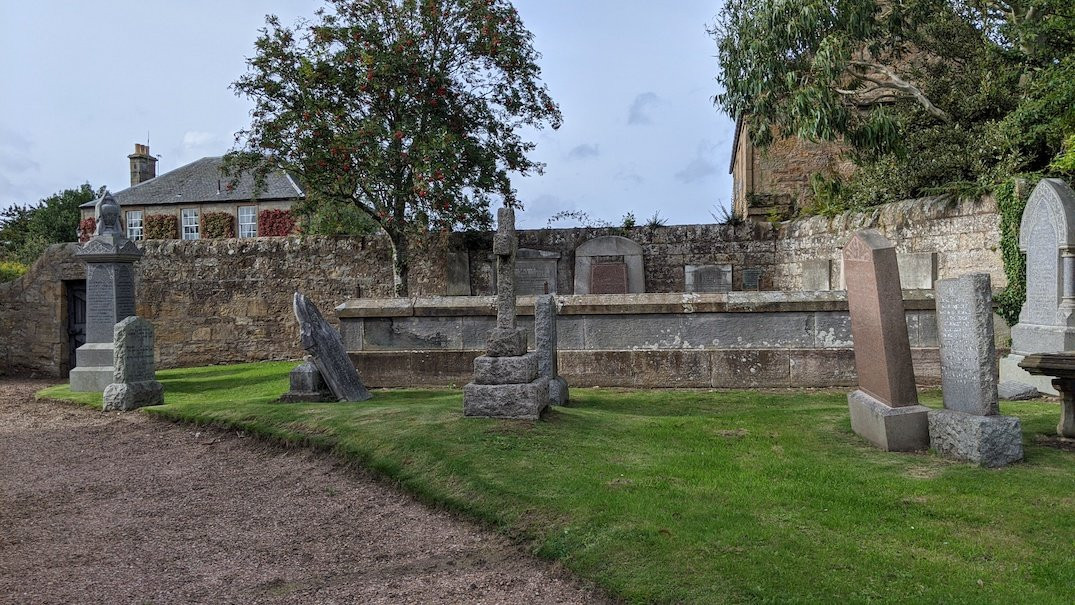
228	301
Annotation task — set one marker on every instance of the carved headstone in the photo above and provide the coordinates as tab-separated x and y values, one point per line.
545	341
535	272
110	296
885	409
970	427
307	385
607	250
134	376
327	352
1047	319
707	278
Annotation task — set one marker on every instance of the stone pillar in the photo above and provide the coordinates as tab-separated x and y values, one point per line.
885	409
970	427
110	296
546	346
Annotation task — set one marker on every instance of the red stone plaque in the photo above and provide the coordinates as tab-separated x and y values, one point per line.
608	278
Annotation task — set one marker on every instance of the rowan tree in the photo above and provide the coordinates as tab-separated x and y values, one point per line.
408	109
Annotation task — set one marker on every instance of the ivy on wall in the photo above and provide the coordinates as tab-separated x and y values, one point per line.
86	228
217	225
1012	196
161	226
275	223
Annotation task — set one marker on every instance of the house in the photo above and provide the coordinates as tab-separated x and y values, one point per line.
775	182
190	193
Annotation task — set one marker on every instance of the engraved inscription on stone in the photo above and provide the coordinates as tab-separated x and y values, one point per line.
968	352
535	276
708	278
752	279
1043	271
608	278
134	350
124	291
100	303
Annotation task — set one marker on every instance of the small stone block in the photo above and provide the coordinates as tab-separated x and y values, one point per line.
307	386
558	391
126	396
1010	390
899	429
506	370
91	379
511	401
506	342
991	441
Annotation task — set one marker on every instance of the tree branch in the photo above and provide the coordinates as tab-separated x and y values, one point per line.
895	82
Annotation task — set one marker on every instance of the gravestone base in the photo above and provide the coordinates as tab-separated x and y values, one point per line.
1010	371
506	370
991	441
125	396
307	386
902	429
91	379
558	392
509	401
506	342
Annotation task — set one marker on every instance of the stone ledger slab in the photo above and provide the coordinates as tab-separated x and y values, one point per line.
508	401
902	429
991	441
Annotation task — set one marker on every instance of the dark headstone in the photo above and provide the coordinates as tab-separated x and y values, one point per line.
885	409
326	349
608	278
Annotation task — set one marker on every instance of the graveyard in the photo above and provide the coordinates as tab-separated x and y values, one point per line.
693	495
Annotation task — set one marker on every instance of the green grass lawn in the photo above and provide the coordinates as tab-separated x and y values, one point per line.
696	496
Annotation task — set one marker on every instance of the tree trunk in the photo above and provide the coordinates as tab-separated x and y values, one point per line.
401	266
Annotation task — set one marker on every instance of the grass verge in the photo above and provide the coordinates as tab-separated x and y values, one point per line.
695	496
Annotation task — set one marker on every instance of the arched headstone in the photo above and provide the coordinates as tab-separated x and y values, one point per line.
609	265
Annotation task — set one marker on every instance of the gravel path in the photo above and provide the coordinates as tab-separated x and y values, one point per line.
123	508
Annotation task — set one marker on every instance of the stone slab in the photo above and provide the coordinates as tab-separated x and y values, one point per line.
918	270
968	353
91	379
509	401
506	370
126	396
457	274
752	279
1016	391
707	278
991	441
546	344
899	429
133	351
608	278
612	245
535	272
816	275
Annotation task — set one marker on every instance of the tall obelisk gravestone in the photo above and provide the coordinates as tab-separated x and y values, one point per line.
970	427
885	409
1047	319
506	381
109	259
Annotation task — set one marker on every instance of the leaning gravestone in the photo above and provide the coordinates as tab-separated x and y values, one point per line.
307	385
545	343
327	352
109	258
134	378
506	381
1047	319
885	409
970	427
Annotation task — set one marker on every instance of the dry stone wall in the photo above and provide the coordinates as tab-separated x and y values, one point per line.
225	301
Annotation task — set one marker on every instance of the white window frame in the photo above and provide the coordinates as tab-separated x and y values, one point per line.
251	226
189	224
135	225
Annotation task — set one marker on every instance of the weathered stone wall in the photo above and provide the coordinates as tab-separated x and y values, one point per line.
222	301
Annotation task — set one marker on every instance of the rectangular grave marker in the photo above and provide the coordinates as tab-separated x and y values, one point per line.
608	278
707	278
968	353
752	279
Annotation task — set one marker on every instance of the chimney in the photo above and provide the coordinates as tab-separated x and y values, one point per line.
143	165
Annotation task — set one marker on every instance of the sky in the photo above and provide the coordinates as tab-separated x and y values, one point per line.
82	82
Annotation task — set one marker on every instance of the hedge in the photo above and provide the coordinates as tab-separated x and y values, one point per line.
275	223
216	225
86	228
161	226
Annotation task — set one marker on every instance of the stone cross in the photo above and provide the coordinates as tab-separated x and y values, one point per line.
507	340
327	352
970	427
885	409
134	376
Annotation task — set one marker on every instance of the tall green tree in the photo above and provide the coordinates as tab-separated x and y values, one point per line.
26	230
408	109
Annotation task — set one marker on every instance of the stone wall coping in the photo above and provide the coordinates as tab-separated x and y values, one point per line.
620	304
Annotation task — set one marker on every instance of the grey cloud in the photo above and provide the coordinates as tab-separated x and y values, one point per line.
701	167
584	151
629	175
641	108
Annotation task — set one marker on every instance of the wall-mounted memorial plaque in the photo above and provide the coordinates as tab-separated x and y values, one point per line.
535	272
608	278
752	279
707	278
598	251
